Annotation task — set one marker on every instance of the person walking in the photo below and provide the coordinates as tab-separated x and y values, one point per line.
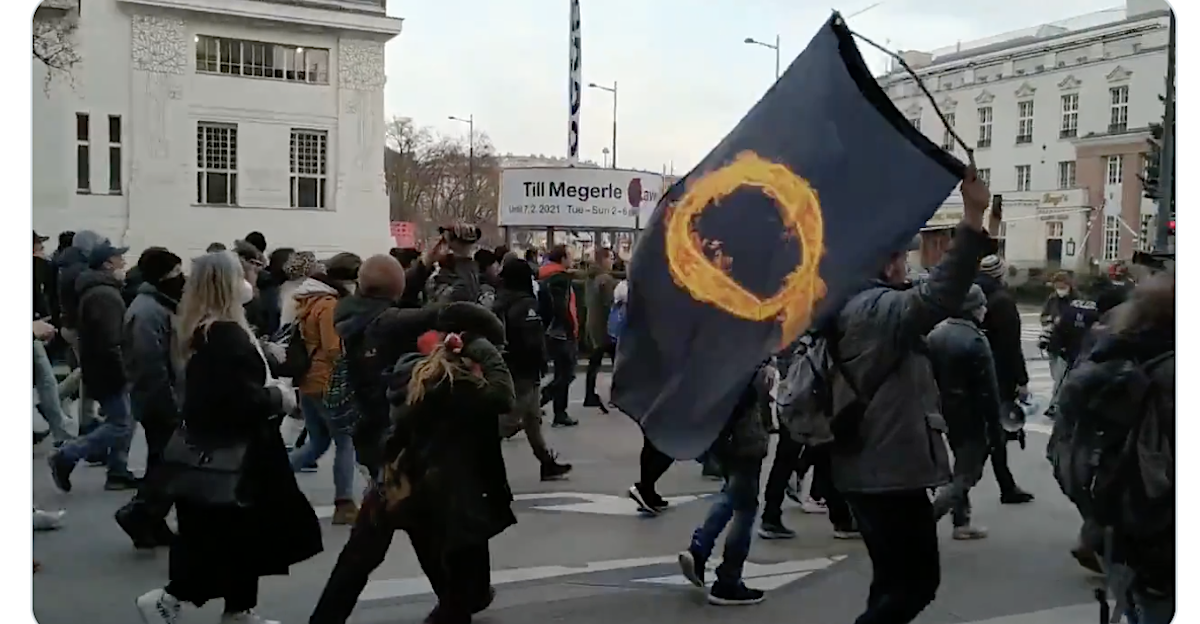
598	300
556	297
73	262
230	402
44	381
100	319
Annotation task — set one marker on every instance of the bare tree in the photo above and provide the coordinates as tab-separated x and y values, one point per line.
54	24
433	180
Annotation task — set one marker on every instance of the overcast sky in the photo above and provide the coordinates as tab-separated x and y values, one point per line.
684	75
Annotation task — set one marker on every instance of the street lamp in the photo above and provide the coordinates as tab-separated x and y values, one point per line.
775	47
605	152
470	121
613	91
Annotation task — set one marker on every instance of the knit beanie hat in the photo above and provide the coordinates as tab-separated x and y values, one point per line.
992	266
302	264
156	262
975	299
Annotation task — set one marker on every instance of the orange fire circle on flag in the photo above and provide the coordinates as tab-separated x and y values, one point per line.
708	283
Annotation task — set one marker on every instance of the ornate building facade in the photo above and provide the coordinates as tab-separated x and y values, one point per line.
185	122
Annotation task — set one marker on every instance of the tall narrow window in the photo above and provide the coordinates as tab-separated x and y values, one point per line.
1025	121
985	176
216	164
308	167
114	154
1115	164
1112	238
1024	175
948	134
1001	238
1066	174
915	120
83	154
1118	111
985	127
1146	236
1070	116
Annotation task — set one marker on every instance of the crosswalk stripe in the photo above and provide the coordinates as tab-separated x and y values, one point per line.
1076	614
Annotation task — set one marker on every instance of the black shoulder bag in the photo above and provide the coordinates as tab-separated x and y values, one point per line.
203	470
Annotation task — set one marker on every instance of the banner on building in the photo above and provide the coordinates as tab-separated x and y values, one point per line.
576	197
786	217
574	82
404	233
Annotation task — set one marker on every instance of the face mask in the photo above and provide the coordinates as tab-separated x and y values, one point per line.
172	286
1062	292
245	293
980	314
119	274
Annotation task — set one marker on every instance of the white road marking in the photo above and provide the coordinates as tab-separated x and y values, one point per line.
764	576
400	588
1077	614
600	504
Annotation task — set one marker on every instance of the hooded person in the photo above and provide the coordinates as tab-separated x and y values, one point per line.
457	276
556	297
525	353
72	263
966	381
316	299
301	266
100	325
154	395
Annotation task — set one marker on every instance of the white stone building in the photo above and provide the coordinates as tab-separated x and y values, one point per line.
192	121
1058	119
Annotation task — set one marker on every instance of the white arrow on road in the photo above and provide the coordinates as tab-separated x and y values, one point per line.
602	504
764	576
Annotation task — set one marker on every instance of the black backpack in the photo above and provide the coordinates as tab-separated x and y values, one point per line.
297	358
369	358
1112	454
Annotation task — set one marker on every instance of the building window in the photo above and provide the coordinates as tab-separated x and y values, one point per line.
948	134
308	167
1054	229
1118	112
1112	238
985	127
1025	121
1115	163
1054	243
915	120
114	154
83	154
1066	174
216	164
1023	177
1001	237
1070	116
1146	236
236	57
985	176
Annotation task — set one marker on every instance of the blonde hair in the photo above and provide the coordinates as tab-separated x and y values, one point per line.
440	366
209	296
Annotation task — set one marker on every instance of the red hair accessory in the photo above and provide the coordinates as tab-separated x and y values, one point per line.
454	342
428	341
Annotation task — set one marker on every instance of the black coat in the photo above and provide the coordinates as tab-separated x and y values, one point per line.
1002	325
101	320
71	264
525	351
966	377
45	290
461	486
225	398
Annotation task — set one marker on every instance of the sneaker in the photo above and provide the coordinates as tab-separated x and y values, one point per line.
564	421
794	489
310	467
121	482
969	532
692	566
647	502
60	471
158	607
344	512
47	520
554	471
1016	496
734	595
812	506
246	617
846	534
774	529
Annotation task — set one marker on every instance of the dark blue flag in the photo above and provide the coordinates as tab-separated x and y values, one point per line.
794	209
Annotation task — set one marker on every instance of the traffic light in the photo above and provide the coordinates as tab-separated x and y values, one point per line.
1153	160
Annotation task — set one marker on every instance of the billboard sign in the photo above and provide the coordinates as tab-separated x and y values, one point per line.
576	197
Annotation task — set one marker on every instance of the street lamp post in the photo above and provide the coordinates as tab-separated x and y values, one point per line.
775	46
470	121
613	91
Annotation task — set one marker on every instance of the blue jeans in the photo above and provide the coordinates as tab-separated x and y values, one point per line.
113	437
320	436
1150	609
738	501
47	392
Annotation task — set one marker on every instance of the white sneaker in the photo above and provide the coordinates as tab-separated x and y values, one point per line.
810	506
969	532
47	520
158	607
246	617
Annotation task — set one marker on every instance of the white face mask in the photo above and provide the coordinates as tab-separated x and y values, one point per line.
980	314
119	274
245	292
1062	292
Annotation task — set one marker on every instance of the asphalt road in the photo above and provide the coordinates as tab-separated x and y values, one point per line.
581	554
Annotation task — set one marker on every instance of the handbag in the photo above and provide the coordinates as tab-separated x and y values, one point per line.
204	471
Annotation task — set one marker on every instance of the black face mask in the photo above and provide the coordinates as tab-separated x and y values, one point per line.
172	286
